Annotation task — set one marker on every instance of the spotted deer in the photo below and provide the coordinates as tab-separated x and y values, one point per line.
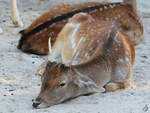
89	56
34	39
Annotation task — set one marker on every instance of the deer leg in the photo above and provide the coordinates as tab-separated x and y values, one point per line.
15	14
113	86
121	84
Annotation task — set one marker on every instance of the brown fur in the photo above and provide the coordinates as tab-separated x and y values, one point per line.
109	65
122	14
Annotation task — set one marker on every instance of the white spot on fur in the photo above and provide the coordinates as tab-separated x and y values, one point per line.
107	19
111	6
120	60
119	16
116	17
114	5
84	80
101	9
126	52
127	59
116	37
120	73
91	49
105	7
83	39
87	56
76	27
98	41
93	11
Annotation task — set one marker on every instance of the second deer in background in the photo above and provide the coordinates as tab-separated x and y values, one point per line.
35	38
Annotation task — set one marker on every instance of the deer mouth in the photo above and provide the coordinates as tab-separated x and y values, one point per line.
40	104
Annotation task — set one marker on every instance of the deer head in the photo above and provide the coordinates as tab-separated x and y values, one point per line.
61	82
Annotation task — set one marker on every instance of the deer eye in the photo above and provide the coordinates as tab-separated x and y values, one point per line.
62	84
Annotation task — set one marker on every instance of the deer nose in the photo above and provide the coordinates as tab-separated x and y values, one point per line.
25	47
36	104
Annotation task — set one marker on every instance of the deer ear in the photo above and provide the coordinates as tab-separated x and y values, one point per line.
89	85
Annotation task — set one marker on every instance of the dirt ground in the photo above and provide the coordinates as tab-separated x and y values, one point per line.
18	85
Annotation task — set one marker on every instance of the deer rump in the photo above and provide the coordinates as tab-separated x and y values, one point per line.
35	38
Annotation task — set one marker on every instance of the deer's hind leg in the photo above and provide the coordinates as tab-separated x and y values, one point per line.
118	84
113	86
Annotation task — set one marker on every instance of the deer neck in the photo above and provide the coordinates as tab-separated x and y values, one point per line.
83	83
92	74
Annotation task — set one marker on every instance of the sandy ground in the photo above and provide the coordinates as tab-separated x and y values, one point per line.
18	85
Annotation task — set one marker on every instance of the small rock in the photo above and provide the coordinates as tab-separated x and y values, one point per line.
11	90
12	94
4	21
144	57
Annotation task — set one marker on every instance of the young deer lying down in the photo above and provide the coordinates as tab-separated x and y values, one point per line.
35	38
93	57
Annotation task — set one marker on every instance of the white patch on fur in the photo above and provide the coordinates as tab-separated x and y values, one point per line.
120	60
76	27
101	9
116	37
87	56
75	49
127	53
105	7
127	59
111	6
121	73
107	19
119	16
88	81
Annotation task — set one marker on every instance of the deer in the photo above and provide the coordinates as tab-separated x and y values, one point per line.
34	39
89	56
